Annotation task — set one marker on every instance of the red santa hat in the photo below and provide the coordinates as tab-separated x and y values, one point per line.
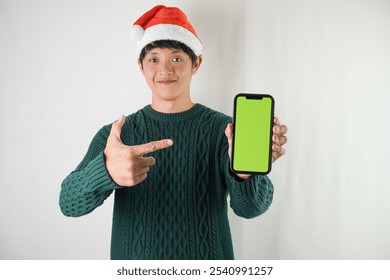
165	23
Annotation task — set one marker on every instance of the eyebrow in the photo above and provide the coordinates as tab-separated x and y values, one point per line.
177	51
174	51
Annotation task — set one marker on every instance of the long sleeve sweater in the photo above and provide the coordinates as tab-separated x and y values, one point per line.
181	210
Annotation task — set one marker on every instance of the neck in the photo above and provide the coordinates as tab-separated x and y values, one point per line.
171	107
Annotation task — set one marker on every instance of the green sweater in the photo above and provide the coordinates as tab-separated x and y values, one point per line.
180	210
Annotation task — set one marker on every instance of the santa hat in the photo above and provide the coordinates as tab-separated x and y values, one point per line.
165	23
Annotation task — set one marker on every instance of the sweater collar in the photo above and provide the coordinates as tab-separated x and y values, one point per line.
175	117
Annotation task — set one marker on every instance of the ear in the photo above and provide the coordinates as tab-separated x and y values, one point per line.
141	68
196	65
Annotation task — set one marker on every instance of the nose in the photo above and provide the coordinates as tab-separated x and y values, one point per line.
165	69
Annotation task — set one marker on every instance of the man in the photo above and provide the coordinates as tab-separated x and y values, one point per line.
170	194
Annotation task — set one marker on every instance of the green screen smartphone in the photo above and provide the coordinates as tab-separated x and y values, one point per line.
252	133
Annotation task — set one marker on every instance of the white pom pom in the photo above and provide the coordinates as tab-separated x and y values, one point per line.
136	32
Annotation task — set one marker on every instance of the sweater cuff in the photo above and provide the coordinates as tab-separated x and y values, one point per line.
250	197
248	187
100	179
258	186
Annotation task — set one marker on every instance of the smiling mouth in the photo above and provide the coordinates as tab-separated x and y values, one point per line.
169	82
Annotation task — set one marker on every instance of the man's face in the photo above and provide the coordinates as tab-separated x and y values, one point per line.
168	73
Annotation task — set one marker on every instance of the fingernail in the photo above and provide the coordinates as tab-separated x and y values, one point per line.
170	142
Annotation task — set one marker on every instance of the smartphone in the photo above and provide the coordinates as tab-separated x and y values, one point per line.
252	133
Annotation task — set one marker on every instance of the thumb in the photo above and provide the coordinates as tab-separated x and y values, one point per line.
116	129
229	131
229	136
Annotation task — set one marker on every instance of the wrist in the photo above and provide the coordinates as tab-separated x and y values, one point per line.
242	177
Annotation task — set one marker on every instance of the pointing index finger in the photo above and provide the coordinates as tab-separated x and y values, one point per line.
153	146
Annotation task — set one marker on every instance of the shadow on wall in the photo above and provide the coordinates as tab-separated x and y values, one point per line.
222	74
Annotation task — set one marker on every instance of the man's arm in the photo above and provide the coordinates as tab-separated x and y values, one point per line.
108	165
251	195
249	198
90	184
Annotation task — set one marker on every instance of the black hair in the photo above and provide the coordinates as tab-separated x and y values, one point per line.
168	44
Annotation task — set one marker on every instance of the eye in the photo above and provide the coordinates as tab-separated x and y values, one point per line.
153	60
177	59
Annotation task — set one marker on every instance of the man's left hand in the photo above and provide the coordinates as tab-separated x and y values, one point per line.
278	140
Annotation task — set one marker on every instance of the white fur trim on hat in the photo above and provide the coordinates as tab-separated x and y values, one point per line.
136	32
170	32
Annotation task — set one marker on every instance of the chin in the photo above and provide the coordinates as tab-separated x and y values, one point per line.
168	95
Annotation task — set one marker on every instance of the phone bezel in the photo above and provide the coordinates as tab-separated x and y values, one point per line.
253	96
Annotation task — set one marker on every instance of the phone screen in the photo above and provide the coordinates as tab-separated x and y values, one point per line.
252	132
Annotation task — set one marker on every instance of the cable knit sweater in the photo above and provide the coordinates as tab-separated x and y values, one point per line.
180	210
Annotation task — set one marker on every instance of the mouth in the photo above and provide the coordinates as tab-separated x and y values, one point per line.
166	82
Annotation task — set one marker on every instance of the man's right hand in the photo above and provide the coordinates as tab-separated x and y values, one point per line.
127	165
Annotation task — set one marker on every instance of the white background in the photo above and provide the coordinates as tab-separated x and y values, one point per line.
68	67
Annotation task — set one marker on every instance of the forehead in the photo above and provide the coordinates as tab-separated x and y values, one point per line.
164	51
